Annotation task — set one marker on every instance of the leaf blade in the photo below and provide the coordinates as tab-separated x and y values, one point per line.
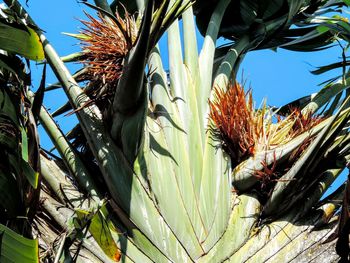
12	39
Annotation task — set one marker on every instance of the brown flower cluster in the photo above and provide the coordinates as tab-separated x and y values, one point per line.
243	131
233	121
105	43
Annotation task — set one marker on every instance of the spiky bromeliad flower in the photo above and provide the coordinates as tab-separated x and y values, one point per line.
243	131
105	43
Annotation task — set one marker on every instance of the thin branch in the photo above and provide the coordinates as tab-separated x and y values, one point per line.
71	158
60	249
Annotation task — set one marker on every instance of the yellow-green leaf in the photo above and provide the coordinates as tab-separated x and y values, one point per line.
21	40
101	232
24	145
30	174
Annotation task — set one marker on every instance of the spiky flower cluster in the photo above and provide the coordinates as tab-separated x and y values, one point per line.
243	131
106	42
233	121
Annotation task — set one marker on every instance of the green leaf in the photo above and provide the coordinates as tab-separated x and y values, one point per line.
324	95
99	229
131	93
326	68
207	53
16	248
322	29
24	145
7	141
23	41
30	174
103	5
238	229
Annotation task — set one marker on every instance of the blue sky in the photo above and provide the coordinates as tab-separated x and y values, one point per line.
280	76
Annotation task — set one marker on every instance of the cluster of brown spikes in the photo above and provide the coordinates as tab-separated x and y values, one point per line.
105	43
243	131
233	119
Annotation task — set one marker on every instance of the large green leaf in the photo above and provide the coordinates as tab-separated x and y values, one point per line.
15	248
99	229
21	40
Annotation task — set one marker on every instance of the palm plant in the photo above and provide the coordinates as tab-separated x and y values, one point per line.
181	167
19	165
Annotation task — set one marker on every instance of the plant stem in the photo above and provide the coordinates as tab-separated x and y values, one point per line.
206	57
60	249
229	66
71	158
104	5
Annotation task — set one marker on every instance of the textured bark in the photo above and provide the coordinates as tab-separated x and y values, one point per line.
283	241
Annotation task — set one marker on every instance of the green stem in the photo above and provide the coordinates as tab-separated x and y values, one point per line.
326	179
324	95
141	4
229	66
104	5
52	178
71	158
130	85
60	249
207	53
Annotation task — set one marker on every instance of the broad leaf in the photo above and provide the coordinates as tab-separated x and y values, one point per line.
30	174
21	40
16	248
99	229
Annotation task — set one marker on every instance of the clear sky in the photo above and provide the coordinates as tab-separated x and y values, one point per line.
280	76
